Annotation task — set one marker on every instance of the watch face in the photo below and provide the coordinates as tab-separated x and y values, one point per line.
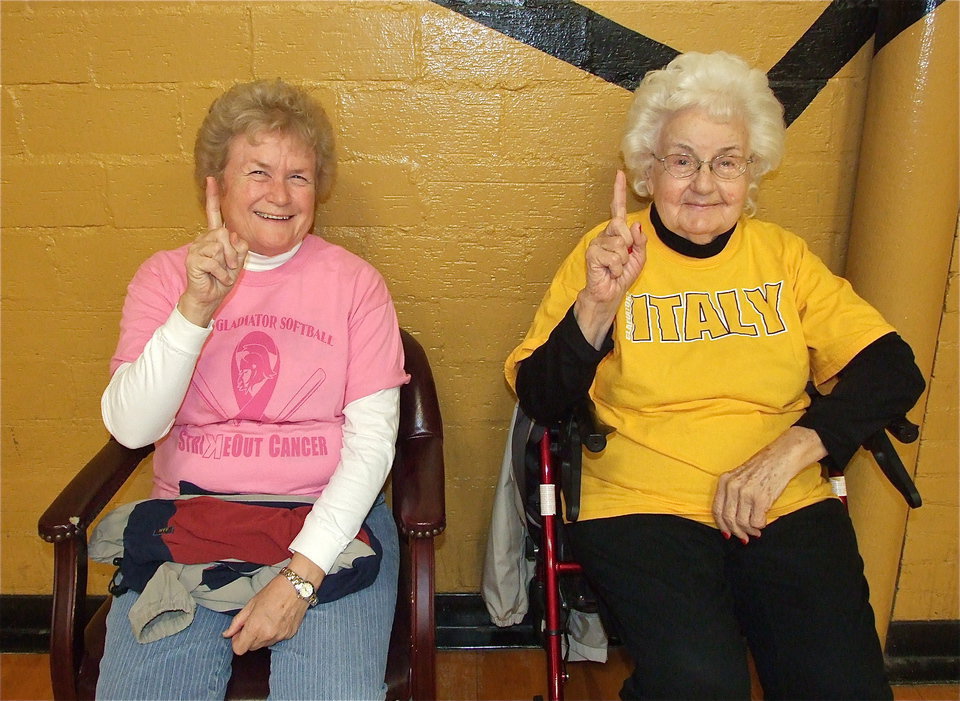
304	589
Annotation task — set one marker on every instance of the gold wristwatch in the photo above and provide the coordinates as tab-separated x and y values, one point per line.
304	589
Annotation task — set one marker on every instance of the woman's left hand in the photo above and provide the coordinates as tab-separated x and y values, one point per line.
275	612
745	495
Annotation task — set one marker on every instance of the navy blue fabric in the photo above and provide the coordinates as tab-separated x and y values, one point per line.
189	489
143	546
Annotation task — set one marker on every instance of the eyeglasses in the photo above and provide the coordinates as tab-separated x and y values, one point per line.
683	165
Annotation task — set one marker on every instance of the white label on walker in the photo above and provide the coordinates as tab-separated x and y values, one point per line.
548	500
839	485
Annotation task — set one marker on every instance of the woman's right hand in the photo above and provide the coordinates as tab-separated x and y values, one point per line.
614	261
213	264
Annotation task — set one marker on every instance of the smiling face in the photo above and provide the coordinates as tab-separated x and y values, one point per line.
703	206
267	193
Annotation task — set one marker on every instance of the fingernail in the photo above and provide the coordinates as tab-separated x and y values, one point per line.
744	540
629	250
726	536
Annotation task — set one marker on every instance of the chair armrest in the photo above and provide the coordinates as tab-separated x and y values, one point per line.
418	497
90	491
65	524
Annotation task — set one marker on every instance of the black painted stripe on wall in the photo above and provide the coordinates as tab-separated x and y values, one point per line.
583	38
572	33
826	47
897	15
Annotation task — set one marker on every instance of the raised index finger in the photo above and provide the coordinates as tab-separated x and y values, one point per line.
618	206
214	218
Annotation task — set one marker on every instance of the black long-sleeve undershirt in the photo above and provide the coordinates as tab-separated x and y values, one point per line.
880	384
559	373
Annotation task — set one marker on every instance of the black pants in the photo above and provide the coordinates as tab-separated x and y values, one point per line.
686	603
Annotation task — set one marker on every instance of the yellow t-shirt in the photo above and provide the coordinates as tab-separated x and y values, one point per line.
709	365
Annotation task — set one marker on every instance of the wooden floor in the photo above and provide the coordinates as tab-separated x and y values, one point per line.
505	675
488	675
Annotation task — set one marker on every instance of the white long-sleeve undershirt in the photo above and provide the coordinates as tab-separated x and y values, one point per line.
141	401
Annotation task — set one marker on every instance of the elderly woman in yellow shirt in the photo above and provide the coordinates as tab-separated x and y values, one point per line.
695	328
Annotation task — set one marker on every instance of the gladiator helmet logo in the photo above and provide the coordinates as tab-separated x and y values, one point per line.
254	371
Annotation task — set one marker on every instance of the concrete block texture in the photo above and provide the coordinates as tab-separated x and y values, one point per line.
470	164
927	587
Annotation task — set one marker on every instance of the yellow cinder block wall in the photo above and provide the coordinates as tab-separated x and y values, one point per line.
927	587
470	164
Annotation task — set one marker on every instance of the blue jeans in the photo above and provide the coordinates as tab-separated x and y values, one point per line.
340	651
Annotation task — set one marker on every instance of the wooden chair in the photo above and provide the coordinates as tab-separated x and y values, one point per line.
418	507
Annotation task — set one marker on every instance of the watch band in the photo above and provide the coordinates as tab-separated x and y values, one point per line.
304	588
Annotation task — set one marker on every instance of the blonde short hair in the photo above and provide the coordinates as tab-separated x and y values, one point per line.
723	85
264	106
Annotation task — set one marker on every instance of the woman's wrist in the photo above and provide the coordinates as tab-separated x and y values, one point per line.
799	447
808	443
593	318
307	568
197	313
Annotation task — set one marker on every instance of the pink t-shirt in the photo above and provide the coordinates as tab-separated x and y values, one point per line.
290	348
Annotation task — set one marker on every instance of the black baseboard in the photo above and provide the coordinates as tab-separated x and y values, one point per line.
464	624
918	652
25	621
923	651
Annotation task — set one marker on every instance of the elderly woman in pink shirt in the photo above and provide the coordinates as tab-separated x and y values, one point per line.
262	359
